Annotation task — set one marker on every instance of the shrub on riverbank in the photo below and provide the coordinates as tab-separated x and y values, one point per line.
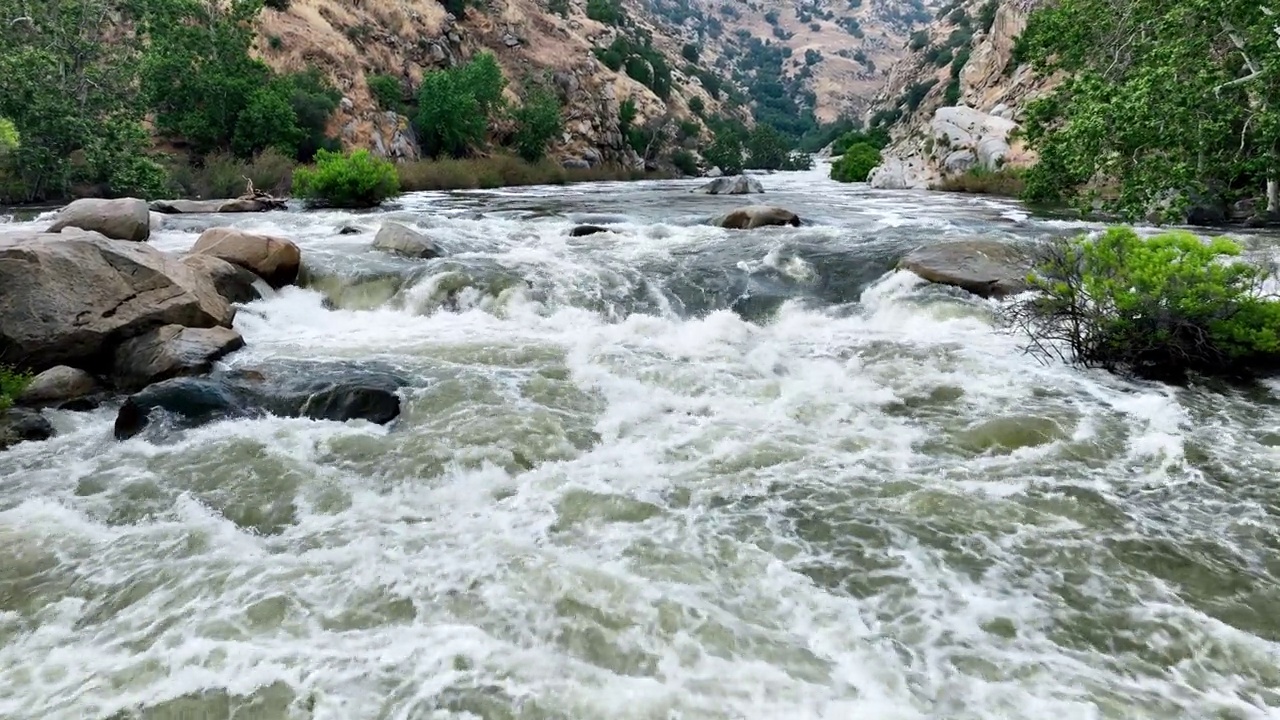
222	175
856	163
501	171
355	180
12	383
1159	308
1005	182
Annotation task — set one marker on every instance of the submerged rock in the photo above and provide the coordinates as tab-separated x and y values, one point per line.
172	351
584	230
273	259
755	216
233	283
983	267
320	391
69	299
58	385
400	239
736	185
123	219
20	425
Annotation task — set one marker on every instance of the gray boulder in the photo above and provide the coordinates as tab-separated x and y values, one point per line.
70	298
273	259
123	219
394	237
21	425
736	185
983	267
756	216
171	351
233	283
714	172
58	385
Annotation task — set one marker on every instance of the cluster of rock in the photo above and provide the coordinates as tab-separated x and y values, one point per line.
95	311
959	139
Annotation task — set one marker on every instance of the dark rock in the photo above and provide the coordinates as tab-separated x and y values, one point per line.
171	351
583	230
233	283
736	185
350	230
321	391
69	299
58	385
983	267
400	239
20	425
123	219
756	216
273	259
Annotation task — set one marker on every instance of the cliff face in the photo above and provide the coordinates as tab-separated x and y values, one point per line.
957	96
352	40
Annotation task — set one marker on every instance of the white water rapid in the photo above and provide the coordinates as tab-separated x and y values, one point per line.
671	472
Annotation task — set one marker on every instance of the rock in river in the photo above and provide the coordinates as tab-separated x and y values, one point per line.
70	298
584	230
123	219
321	391
736	185
273	259
58	385
229	205
400	239
171	351
755	216
19	424
232	282
983	267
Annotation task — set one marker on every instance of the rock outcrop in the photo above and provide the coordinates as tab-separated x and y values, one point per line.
123	219
736	185
756	216
933	140
71	298
983	267
400	239
274	259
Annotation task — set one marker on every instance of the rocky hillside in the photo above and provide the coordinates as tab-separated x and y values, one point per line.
953	102
352	42
837	53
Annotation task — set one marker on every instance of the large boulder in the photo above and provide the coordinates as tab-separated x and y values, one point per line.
273	259
20	425
58	385
171	351
123	219
320	391
70	298
736	185
983	267
755	216
232	282
230	205
394	237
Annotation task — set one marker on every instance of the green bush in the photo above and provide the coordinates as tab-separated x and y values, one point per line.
685	162
877	138
697	106
1161	308
388	91
12	383
538	122
725	152
9	137
358	180
608	12
454	106
856	163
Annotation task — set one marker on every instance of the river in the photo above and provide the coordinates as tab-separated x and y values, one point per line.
672	472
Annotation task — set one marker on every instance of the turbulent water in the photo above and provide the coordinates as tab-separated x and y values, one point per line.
668	472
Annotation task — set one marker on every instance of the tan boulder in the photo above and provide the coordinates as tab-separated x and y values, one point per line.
983	267
274	259
756	216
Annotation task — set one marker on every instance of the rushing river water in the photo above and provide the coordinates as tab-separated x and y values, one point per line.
668	472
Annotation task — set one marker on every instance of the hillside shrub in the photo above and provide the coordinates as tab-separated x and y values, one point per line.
387	91
357	180
454	106
876	138
725	152
685	162
1162	308
856	163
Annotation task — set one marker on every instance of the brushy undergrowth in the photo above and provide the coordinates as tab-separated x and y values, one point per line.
1005	182
1161	308
353	180
856	163
502	171
12	383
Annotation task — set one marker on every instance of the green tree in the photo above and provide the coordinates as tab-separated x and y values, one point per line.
455	106
357	180
856	164
725	152
1172	103
690	52
538	122
484	79
766	148
9	137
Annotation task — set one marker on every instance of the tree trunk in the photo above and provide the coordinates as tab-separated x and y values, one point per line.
1273	197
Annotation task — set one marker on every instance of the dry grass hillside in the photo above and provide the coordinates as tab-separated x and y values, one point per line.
351	40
